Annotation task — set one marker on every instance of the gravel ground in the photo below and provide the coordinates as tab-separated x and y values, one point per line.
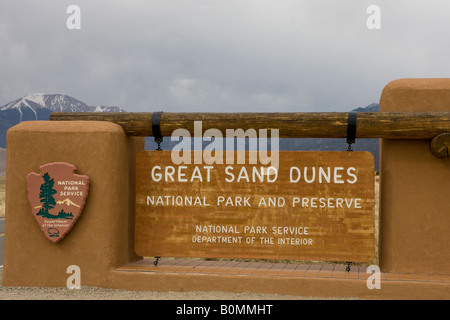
93	293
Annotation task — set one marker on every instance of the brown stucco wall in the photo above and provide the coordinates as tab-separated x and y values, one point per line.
415	186
103	236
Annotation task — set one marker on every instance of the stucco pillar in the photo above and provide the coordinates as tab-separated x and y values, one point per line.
415	186
103	236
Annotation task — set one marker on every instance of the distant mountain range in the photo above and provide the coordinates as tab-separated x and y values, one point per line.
40	106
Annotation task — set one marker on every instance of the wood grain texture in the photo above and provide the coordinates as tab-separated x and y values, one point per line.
333	230
440	145
389	125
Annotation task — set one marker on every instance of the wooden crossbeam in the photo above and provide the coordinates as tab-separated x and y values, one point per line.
388	125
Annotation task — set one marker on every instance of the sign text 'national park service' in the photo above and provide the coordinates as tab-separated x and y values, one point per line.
57	196
315	206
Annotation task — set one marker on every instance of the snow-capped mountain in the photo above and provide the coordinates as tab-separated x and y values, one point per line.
39	106
53	103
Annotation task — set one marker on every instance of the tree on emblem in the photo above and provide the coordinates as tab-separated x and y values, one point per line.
46	196
48	201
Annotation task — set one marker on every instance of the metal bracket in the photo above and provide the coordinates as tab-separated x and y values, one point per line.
351	129
156	128
347	269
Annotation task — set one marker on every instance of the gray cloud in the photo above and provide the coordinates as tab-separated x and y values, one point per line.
227	55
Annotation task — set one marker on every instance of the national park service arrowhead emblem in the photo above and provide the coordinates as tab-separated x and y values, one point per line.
57	196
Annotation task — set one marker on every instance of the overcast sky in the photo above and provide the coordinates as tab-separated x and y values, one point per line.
220	55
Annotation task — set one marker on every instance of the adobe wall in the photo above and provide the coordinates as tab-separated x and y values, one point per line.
414	186
103	236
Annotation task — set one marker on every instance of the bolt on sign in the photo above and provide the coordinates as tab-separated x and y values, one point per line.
312	206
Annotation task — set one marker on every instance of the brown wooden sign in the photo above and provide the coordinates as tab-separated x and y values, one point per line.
315	206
